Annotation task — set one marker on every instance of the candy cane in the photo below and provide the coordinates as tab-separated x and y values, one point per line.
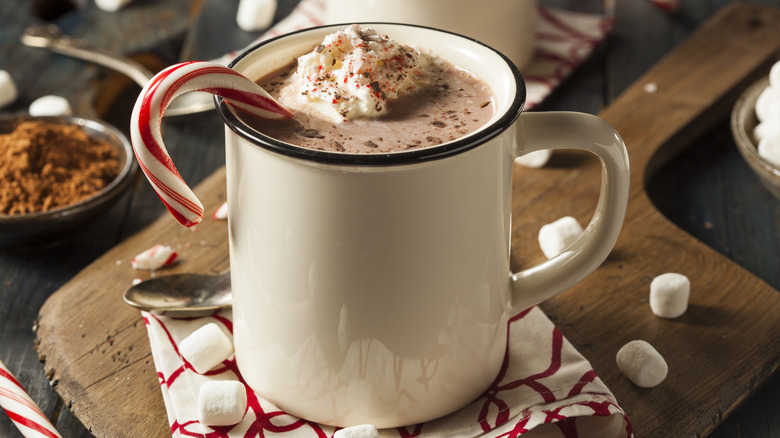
667	5
22	409
145	131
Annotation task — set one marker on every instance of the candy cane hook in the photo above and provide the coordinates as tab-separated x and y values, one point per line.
149	109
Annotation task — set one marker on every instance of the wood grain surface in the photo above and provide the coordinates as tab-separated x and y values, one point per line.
95	347
97	356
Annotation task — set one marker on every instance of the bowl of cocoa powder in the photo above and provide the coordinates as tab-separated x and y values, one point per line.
57	173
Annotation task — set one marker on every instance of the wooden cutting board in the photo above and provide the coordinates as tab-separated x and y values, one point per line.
96	352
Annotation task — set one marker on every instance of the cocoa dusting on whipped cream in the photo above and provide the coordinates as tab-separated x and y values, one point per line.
362	92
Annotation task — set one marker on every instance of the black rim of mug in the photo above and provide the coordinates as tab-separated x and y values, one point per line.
370	159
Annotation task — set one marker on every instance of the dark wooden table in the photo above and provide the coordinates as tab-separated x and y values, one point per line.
707	190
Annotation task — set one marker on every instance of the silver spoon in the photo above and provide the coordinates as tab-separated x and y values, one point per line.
50	36
182	295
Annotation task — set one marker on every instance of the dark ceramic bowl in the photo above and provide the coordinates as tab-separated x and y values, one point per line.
743	122
49	226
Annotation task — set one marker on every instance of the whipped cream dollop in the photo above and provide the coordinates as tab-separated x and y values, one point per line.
354	73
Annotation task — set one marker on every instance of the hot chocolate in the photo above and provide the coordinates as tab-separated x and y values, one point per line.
431	101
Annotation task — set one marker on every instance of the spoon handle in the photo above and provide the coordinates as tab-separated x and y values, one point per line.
50	36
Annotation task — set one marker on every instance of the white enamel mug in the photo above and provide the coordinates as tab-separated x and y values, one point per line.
376	288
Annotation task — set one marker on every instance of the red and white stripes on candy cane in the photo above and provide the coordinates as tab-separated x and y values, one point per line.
21	409
667	5
149	109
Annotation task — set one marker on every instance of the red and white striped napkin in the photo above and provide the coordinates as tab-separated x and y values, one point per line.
563	40
546	388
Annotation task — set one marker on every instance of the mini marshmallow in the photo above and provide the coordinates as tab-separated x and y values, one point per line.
774	75
50	106
154	258
669	295
220	213
535	159
768	104
769	149
8	91
557	236
206	347
765	129
255	14
221	402
361	431
642	364
111	5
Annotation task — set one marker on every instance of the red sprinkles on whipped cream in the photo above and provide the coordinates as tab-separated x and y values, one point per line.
357	70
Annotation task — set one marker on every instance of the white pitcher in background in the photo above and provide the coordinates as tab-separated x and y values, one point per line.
506	25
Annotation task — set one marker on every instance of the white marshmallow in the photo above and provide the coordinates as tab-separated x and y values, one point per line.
221	402
774	75
255	14
50	106
642	364
361	431
669	295
8	90
535	159
206	347
765	129
768	104
769	149
154	258
111	5
650	87
557	236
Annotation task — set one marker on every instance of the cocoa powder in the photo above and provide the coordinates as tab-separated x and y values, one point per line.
45	165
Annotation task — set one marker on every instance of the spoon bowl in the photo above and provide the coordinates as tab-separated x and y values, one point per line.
182	295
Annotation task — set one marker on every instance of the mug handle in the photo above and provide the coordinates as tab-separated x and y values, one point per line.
573	130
